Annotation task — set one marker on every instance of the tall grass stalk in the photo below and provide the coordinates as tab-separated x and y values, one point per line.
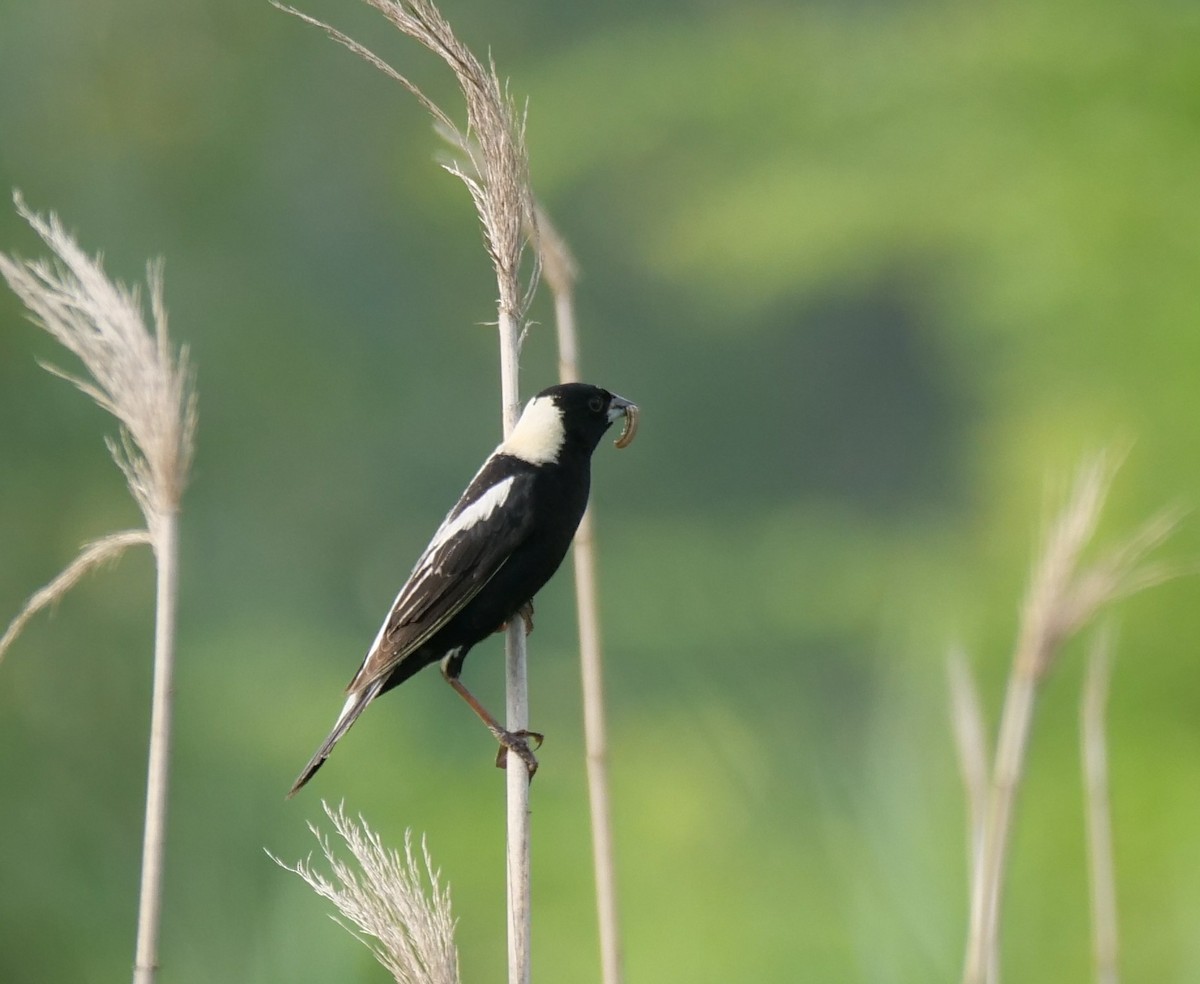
1064	595
497	179
134	374
560	273
1094	756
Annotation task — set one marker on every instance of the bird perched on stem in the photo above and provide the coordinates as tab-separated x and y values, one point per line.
500	543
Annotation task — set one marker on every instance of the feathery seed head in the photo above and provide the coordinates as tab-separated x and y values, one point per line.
397	905
130	370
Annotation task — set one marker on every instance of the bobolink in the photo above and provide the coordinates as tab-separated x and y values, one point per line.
500	543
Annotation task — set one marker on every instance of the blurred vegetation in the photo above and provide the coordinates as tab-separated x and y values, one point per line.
873	272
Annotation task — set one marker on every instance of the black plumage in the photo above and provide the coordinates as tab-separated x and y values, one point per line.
504	538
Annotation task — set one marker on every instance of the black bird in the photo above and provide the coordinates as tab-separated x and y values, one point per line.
500	543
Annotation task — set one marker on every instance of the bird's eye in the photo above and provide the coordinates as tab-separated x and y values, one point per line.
595	404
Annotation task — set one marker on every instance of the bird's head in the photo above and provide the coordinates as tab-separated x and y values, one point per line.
570	414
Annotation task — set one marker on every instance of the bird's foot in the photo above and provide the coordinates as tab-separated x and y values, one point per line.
518	741
526	613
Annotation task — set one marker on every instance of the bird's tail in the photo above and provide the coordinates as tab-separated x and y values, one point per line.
356	703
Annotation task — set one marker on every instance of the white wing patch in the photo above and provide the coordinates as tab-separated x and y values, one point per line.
539	434
479	510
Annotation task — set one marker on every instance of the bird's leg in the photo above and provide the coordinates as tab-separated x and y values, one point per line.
516	741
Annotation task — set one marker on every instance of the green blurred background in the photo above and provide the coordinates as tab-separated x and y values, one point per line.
878	274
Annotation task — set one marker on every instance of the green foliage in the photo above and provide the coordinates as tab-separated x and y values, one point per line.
873	273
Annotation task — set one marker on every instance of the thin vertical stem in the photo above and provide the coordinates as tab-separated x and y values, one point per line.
591	659
165	532
1097	814
970	740
516	708
559	271
568	340
519	909
595	736
1016	719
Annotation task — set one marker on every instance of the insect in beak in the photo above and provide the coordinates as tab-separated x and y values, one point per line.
629	430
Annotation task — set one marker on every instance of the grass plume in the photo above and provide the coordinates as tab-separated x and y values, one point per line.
493	138
92	555
1065	593
133	372
398	905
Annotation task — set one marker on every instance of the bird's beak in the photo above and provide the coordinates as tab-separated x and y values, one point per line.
620	407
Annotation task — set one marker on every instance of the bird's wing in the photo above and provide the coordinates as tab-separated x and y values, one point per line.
474	541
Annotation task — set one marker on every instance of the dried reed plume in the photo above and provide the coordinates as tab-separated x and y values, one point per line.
400	907
92	555
132	373
493	140
1065	594
498	182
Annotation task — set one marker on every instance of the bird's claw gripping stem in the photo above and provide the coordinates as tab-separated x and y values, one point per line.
518	742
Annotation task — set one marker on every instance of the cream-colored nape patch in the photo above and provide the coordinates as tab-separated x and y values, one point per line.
538	436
